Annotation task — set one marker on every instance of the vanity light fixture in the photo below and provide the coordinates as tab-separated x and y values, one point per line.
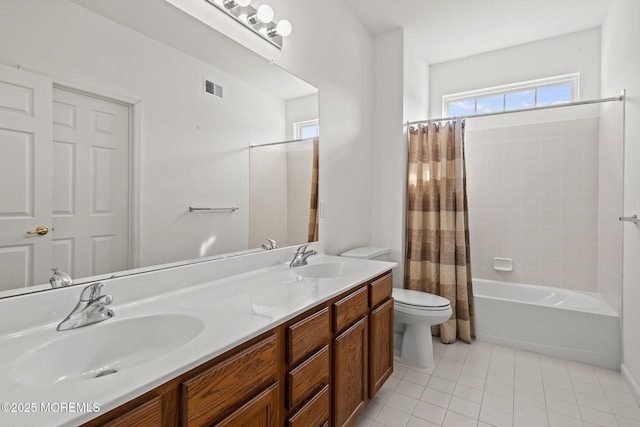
230	4
264	14
259	20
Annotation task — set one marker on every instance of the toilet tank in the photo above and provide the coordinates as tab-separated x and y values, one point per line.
378	254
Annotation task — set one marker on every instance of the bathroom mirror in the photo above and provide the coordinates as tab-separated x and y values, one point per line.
284	192
189	103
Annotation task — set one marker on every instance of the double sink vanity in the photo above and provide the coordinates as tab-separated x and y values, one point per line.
246	340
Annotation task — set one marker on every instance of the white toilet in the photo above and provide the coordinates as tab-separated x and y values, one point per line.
414	314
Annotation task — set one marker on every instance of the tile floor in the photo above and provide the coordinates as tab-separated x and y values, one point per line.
484	385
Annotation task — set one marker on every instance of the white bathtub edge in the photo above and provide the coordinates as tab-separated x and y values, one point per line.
634	387
604	360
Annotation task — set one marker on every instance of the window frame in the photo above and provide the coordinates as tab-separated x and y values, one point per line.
572	79
297	127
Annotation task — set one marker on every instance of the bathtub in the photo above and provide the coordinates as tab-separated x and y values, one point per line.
573	325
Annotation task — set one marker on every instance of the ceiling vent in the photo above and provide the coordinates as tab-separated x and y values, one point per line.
213	88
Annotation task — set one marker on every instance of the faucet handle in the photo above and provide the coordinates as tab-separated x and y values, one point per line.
302	249
91	292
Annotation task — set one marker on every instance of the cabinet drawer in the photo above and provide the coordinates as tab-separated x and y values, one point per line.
214	392
307	336
315	413
350	308
307	378
380	290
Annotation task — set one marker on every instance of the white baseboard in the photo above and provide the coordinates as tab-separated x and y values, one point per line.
631	382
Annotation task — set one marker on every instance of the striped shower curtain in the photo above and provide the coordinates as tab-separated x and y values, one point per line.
313	199
437	251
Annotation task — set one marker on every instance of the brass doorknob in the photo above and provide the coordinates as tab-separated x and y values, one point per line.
41	230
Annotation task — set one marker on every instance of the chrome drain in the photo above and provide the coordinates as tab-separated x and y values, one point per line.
105	373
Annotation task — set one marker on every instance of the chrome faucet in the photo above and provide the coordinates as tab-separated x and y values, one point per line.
60	279
271	244
92	308
301	255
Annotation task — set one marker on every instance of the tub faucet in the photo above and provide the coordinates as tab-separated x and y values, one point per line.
301	255
92	308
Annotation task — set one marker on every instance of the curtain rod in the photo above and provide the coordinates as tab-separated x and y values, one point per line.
544	107
282	142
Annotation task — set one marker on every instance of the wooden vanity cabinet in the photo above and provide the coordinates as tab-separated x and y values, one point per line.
350	356
318	369
380	332
308	369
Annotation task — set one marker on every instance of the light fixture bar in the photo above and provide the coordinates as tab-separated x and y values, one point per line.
242	14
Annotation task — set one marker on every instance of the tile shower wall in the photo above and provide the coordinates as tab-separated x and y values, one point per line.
610	205
533	197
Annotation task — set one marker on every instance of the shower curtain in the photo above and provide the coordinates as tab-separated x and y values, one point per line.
313	202
437	245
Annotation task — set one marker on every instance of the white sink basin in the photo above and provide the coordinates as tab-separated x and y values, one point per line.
105	348
327	270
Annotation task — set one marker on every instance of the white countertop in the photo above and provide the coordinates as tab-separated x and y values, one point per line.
233	310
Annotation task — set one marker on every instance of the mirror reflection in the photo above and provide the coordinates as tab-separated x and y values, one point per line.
284	192
111	129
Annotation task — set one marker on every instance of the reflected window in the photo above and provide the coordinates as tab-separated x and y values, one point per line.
489	104
520	100
556	94
307	129
462	108
518	96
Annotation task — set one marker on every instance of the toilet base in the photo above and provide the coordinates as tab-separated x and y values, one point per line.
416	348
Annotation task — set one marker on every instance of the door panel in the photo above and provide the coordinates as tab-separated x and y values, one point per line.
64	164
64	157
91	183
25	175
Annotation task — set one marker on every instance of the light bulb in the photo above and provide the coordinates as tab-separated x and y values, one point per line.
265	13
243	3
284	28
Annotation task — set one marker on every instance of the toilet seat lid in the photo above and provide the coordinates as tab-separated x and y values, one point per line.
418	299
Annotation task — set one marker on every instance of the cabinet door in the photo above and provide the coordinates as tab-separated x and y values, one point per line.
380	346
350	374
261	411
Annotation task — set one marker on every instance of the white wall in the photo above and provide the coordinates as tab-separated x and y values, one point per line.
268	205
576	52
621	70
194	146
333	51
389	156
300	109
400	95
416	82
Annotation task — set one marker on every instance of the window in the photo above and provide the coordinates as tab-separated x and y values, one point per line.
306	129
518	96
